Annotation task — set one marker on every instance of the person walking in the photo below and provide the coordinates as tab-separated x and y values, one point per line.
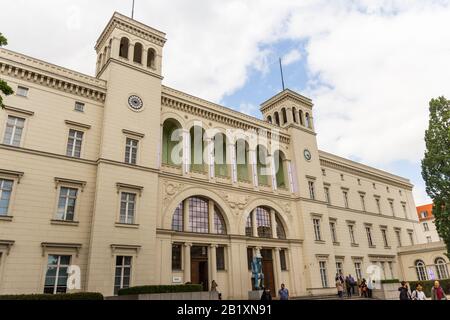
348	286
283	293
437	293
266	296
352	284
340	288
418	293
363	287
370	287
404	291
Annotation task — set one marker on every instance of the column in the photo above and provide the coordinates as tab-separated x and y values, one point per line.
210	147
160	147
186	215
231	158
213	262
131	51
254	167
273	172
187	262
254	224
290	178
273	223
290	118
144	56
277	268
211	216
186	151
115	44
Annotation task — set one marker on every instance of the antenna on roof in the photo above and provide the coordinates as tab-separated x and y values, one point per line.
282	76
132	11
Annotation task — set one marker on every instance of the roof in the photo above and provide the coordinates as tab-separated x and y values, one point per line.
284	95
426	207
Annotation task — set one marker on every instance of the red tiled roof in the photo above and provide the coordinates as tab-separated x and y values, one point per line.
428	208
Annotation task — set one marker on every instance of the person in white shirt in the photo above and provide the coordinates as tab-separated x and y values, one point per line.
418	293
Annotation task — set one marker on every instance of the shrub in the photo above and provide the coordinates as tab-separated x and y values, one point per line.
161	289
62	296
427	285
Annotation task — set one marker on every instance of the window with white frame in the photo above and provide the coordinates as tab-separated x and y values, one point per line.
56	275
317	231
327	195
123	273
358	270
312	193
351	231
22	91
127	207
74	143
426	227
14	131
66	204
5	195
333	231
385	239
79	106
131	150
421	270
441	268
369	236
323	273
345	195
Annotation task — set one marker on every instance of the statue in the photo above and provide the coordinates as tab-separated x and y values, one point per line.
257	275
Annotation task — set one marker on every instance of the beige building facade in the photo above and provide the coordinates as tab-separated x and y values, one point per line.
101	173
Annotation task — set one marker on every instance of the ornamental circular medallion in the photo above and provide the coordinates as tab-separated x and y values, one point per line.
135	103
307	154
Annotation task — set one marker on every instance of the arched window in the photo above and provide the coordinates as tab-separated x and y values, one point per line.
294	114
198	145
242	163
421	271
279	169
151	55
124	45
220	155
284	115
199	215
137	56
263	219
277	119
172	151
441	268
269	119
300	117
308	120
262	165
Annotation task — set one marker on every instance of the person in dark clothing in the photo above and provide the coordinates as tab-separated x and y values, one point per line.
348	286
266	296
363	288
404	291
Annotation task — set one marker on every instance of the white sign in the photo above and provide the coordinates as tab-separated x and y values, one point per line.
176	279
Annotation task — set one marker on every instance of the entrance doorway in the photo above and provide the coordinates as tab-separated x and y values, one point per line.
267	269
199	266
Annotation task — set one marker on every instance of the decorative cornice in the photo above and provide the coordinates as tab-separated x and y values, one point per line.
115	247
18	110
120	186
133	133
15	174
289	95
79	183
8	244
77	124
74	246
25	68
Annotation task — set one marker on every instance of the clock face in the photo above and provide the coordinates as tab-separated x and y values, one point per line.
307	154
135	103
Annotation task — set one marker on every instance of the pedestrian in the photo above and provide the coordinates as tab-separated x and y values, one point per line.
339	287
283	293
370	287
437	293
404	291
214	285
418	294
352	284
348	287
363	287
266	296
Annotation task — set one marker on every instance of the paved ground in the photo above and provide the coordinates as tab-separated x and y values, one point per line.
330	297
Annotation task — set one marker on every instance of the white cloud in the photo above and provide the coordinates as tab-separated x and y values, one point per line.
291	57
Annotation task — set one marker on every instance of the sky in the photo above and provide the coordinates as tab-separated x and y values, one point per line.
370	66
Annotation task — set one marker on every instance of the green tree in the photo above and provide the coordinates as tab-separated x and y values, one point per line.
4	88
436	165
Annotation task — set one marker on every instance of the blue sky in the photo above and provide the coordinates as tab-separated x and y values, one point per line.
371	67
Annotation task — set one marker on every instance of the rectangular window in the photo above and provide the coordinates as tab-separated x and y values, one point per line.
127	207
339	269
345	194
391	204
312	194
333	232
351	231
123	273
317	232
404	209
283	263
411	238
323	273
399	237
369	236
131	151
5	195
66	204
385	239
249	258
176	257
363	202
327	195
22	91
358	270
79	106
429	239
425	227
377	202
14	130
74	143
56	275
220	258
387	189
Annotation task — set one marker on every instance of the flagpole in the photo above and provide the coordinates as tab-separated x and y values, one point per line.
282	76
132	11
